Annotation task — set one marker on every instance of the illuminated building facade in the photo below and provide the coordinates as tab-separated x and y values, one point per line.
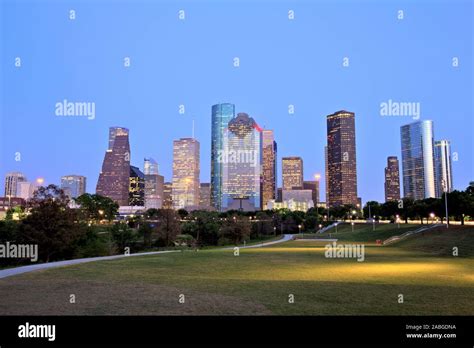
292	172
136	190
185	190
115	175
221	116
418	160
73	185
269	167
341	159
242	164
11	183
153	185
392	179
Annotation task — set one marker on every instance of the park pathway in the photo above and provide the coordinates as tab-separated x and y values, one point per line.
30	268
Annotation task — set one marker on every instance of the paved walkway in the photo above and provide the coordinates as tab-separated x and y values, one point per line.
25	269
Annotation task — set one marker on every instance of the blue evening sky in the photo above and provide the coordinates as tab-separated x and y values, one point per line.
190	62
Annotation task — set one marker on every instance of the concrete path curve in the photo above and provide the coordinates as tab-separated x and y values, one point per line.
30	268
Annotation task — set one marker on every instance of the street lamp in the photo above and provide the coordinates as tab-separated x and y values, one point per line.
373	223
299	228
432	215
274	230
398	221
352	225
336	227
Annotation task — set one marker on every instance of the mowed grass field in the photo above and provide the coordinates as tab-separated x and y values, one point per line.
259	281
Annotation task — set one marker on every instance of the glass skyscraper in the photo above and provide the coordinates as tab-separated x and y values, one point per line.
73	185
136	190
153	185
418	160
221	116
443	171
241	164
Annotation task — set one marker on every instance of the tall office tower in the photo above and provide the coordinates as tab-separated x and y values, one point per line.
341	159
115	175
326	174
443	170
221	116
136	189
167	197
205	196
292	172
185	191
73	185
269	167
242	164
392	179
153	185
418	160
313	185
11	183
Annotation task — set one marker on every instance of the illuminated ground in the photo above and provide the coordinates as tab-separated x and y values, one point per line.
259	281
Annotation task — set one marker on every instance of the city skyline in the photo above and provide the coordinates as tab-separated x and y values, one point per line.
147	98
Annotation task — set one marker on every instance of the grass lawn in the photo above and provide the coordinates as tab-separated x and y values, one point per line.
259	281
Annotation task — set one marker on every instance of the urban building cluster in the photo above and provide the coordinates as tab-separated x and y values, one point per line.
243	173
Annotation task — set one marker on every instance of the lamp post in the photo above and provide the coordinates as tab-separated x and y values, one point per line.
299	228
352	225
373	223
432	215
336	227
398	221
274	231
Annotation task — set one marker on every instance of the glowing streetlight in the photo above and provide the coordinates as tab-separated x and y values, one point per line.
352	225
299	228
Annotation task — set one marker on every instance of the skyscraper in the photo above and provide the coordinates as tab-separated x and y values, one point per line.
269	167
341	159
292	172
136	189
115	175
221	115
205	196
153	185
443	170
242	164
73	185
418	160
186	170
392	179
11	183
313	185
167	195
